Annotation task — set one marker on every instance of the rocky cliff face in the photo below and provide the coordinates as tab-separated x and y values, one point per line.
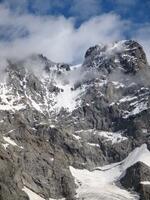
73	132
134	179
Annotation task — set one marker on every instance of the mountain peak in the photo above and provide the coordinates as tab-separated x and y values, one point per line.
126	54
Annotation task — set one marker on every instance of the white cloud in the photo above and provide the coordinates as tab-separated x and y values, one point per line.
57	37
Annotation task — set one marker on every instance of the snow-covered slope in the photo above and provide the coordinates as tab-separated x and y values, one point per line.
101	183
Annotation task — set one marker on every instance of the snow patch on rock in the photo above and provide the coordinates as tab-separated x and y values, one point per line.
32	195
11	142
145	182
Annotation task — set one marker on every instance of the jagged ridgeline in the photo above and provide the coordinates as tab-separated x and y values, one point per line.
76	132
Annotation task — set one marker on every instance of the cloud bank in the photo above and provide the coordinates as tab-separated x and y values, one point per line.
57	37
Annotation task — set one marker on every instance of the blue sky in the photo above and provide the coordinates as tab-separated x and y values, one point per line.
64	29
135	10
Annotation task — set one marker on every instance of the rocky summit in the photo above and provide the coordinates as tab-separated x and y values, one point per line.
76	132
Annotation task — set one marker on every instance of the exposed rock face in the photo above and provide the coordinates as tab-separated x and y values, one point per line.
145	192
129	54
53	116
135	177
10	181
